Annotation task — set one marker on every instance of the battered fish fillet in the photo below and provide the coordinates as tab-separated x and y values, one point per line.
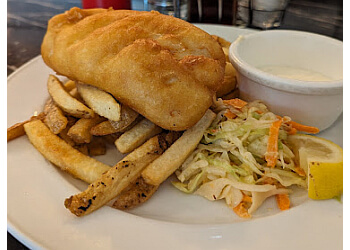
164	68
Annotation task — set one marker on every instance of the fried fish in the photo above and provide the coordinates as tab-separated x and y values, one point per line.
164	68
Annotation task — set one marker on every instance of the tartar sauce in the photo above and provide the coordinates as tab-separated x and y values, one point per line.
295	73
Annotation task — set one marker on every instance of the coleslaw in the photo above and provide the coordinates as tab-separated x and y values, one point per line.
243	158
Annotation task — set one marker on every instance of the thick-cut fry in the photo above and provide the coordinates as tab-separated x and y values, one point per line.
97	146
64	133
69	85
62	154
100	101
127	117
159	170
64	136
233	94
137	135
54	117
136	194
230	81
82	148
103	128
17	129
223	43
111	138
80	131
74	93
65	101
119	177
228	89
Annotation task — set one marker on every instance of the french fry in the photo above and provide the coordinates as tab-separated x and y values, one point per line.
54	117
97	146
69	85
64	136
106	128
80	131
127	117
62	154
64	133
136	194
223	43
74	93
232	95
161	168
136	136
65	101
82	148
100	101
17	129
230	81
103	128
111	138
119	177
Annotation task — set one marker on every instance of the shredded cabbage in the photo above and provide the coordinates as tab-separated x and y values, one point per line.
229	163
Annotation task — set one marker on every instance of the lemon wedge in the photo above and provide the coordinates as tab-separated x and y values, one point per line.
322	160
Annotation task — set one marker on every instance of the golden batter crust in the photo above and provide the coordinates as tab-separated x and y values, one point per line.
164	68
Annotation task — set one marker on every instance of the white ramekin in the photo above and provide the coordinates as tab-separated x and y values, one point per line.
312	103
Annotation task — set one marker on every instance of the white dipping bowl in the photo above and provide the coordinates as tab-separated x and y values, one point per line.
314	103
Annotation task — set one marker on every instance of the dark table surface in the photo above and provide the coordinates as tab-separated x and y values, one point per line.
27	22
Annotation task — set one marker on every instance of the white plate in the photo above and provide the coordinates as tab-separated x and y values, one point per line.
170	220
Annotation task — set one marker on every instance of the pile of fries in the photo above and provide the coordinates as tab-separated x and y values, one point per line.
79	120
77	123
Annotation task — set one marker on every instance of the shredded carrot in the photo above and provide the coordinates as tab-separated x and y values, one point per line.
304	128
298	127
241	210
283	201
247	198
272	144
230	115
284	119
300	171
259	112
292	131
213	130
236	103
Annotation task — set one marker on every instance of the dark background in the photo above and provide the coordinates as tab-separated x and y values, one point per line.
27	22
